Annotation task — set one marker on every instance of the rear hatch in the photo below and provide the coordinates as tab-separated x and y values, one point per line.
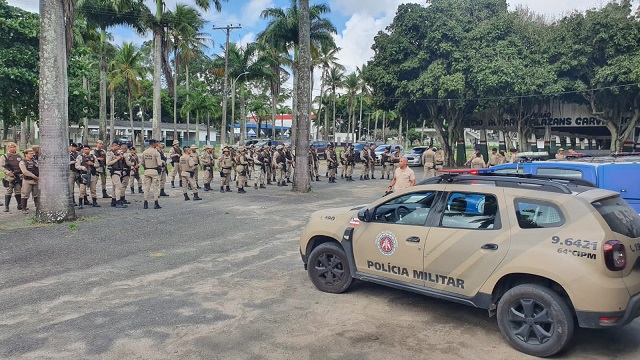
624	222
622	178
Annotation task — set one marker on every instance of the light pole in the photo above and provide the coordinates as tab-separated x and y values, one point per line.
233	108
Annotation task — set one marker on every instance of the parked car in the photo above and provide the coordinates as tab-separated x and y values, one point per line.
321	147
268	142
380	149
621	176
415	155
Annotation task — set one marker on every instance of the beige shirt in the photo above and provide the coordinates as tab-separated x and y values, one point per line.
428	158
403	178
478	163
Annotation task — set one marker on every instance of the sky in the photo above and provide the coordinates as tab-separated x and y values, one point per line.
356	21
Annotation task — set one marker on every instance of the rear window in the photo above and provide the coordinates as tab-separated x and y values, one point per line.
620	217
569	173
534	214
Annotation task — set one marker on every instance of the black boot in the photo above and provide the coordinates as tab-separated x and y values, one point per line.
341	176
24	206
241	191
156	205
139	189
317	178
124	201
387	176
19	200
120	205
312	178
366	177
113	202
361	177
228	189
280	183
132	191
255	186
206	187
95	202
262	186
105	195
7	200
196	197
86	200
173	184
198	186
289	181
180	183
186	197
222	189
146	204
284	183
372	177
80	202
162	193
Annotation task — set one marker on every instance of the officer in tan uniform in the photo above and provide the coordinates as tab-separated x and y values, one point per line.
395	158
207	161
101	167
350	160
86	165
174	154
153	167
165	171
372	163
314	163
512	156
115	162
258	169
12	181
439	159
385	162
280	165
332	163
187	166
478	162
494	158
429	163
73	154
127	173
135	171
288	170
242	166
196	158
226	163
29	168
560	154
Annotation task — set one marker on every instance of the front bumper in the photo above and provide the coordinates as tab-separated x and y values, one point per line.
591	320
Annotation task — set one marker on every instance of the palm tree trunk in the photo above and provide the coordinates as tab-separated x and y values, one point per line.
102	127
175	94
133	134
188	112
232	122
360	121
157	75
294	101
55	203
334	112
301	181
326	125
208	128
274	104
112	122
23	134
384	126
243	120
375	129
198	129
85	121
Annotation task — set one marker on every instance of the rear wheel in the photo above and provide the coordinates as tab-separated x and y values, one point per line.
535	320
329	268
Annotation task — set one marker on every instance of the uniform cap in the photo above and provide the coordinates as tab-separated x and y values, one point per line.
194	147
72	145
279	147
561	149
12	144
241	148
512	150
131	148
28	151
152	141
225	149
86	147
99	142
176	142
494	149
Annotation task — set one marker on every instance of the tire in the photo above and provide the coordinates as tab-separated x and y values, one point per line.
328	268
535	320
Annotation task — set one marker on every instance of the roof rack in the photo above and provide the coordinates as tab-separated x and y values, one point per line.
555	184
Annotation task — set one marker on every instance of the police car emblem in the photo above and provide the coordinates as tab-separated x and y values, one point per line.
387	243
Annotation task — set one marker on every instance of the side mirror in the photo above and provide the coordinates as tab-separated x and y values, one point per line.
363	215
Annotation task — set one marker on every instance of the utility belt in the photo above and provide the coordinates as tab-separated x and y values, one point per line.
13	182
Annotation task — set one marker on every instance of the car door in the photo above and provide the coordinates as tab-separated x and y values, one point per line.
468	240
391	243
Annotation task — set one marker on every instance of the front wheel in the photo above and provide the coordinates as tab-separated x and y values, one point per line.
329	268
535	320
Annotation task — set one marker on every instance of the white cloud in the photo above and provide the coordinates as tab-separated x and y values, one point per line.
251	12
371	8
246	39
28	5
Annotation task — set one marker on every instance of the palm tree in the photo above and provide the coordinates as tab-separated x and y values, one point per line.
200	103
327	58
335	80
301	181
351	83
364	90
126	69
54	203
276	59
104	14
185	29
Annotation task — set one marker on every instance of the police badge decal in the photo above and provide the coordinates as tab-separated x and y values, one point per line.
387	243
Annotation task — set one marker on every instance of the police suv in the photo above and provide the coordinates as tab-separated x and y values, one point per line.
543	256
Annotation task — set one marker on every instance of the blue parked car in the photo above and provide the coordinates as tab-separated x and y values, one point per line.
623	177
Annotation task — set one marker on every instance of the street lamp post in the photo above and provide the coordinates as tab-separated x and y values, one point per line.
233	108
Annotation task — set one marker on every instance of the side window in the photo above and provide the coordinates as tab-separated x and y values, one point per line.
409	209
471	211
569	173
533	214
510	171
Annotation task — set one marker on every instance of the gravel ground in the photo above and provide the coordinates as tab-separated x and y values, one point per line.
222	279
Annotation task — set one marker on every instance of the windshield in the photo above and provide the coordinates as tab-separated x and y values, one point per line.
620	217
381	148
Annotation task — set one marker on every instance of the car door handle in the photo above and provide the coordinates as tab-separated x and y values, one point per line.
414	239
489	247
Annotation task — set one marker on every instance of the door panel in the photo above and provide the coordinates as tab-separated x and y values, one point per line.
469	243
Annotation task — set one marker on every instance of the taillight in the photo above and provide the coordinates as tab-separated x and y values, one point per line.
615	255
473	172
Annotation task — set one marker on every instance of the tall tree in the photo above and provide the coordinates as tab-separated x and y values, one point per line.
56	30
127	70
301	180
327	58
335	80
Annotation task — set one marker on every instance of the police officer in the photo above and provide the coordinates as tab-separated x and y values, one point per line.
342	157
153	167
115	162
187	166
29	169
135	171
36	152
280	164
385	162
12	181
73	155
288	170
127	172
395	158
165	171
174	154
101	167
242	165
494	158
268	170
332	163
478	162
429	163
226	163
258	169
207	161
350	161
86	165
372	162
196	158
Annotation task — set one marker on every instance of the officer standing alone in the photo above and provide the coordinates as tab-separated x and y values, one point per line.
153	167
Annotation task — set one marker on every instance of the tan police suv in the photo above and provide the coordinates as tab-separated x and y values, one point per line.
542	255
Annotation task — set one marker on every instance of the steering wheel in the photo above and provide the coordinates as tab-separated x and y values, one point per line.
401	211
